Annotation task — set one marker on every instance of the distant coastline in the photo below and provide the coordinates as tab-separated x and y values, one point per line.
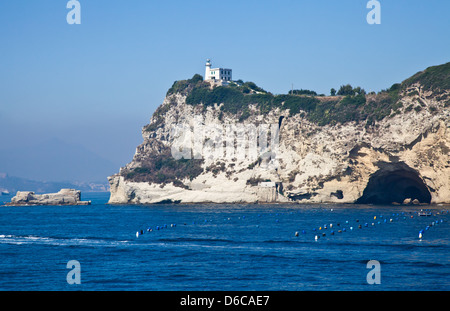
13	184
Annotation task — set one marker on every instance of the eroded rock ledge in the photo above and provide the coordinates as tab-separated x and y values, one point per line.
63	197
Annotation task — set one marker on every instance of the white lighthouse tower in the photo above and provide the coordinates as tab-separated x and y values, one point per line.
221	76
208	70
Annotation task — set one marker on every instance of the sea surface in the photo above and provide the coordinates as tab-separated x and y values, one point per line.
223	247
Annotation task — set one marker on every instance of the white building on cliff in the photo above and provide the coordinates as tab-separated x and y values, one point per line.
217	75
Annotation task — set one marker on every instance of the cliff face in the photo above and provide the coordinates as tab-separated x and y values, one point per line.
374	148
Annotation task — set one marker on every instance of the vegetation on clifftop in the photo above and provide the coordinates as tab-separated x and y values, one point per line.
435	78
351	104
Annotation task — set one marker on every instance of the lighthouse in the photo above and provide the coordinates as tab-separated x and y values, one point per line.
208	69
217	75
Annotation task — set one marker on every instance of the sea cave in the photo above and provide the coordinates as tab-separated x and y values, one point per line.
394	182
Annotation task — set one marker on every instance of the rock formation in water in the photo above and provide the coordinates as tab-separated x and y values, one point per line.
241	144
63	197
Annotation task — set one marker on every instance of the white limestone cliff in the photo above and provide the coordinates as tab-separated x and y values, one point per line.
314	164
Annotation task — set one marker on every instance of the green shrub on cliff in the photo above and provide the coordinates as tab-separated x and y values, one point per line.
435	78
162	168
186	86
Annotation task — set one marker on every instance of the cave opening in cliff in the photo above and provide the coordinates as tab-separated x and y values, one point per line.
394	182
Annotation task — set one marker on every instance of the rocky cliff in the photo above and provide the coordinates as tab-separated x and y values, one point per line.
63	197
239	143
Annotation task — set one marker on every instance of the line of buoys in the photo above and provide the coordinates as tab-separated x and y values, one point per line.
381	219
335	227
150	229
433	223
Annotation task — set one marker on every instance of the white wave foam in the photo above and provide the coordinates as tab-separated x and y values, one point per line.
31	239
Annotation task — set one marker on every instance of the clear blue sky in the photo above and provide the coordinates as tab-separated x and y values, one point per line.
96	84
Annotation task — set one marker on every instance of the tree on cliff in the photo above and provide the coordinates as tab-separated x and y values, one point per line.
346	90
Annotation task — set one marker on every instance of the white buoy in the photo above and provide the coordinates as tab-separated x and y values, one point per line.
420	235
137	234
296	233
316	237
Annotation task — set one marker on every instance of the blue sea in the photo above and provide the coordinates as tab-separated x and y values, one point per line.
223	247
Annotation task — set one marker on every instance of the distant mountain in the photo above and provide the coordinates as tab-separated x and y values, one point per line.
55	160
14	184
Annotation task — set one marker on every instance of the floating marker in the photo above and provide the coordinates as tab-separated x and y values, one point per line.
420	235
296	233
137	234
316	237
